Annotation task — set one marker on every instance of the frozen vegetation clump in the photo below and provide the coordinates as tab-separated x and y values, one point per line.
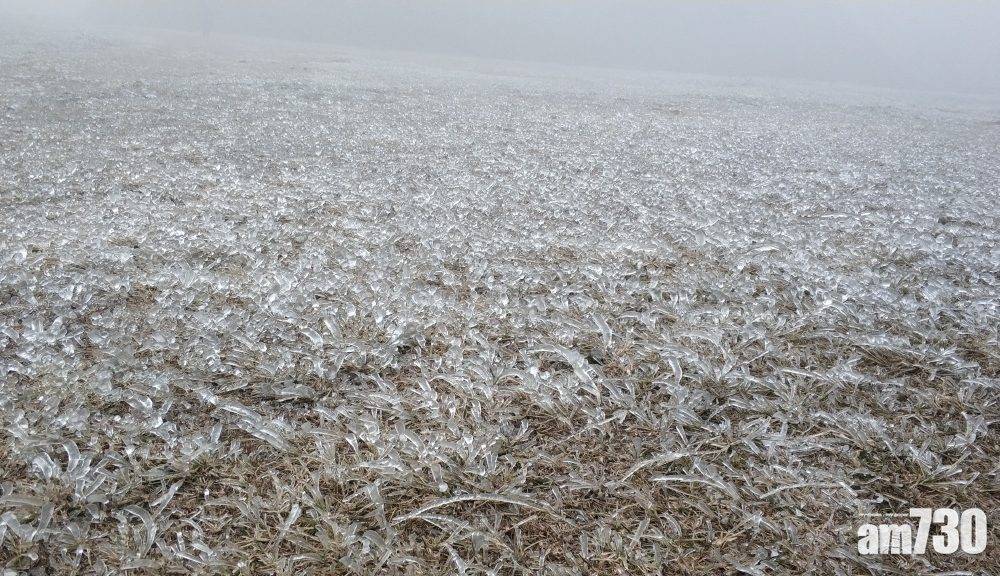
286	309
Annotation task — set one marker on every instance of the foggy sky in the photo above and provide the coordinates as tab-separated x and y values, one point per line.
950	45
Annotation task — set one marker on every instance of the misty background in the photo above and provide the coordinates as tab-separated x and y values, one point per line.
942	45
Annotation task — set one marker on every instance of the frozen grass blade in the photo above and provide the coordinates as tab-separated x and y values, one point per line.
512	499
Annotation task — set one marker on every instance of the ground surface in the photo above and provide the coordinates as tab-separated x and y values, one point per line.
277	308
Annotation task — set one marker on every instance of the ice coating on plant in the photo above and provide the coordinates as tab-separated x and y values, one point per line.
298	310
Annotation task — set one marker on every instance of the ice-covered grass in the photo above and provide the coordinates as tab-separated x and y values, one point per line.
289	309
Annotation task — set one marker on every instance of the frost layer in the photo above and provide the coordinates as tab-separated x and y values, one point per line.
288	309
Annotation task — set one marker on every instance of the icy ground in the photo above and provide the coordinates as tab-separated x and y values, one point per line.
284	308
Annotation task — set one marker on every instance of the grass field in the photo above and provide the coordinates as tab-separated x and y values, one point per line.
292	309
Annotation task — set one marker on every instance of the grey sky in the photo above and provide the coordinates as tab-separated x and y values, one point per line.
950	45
